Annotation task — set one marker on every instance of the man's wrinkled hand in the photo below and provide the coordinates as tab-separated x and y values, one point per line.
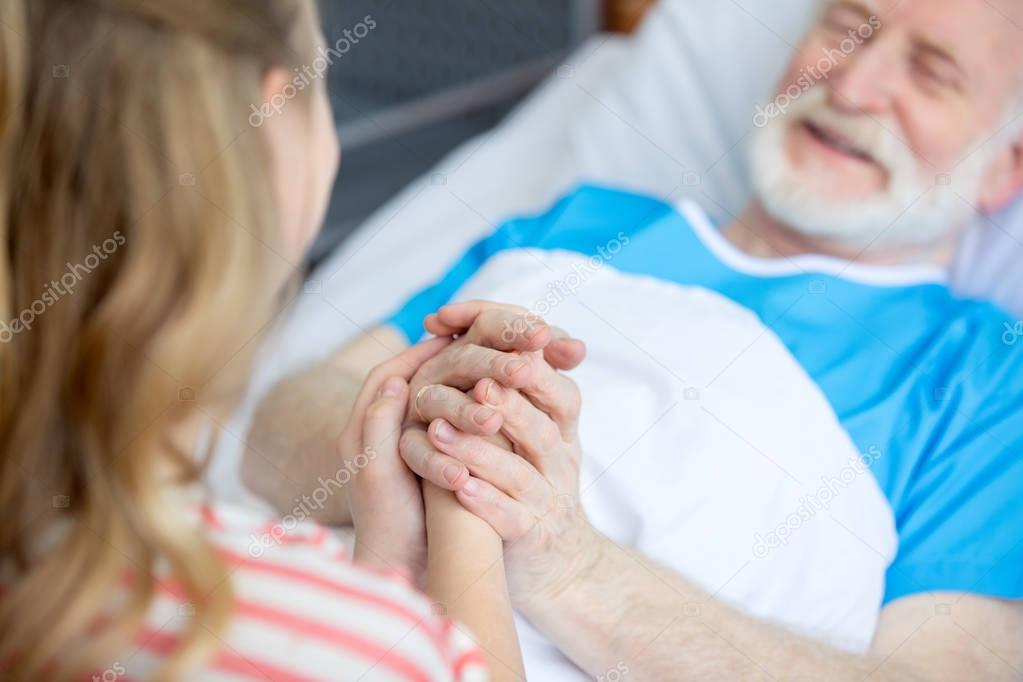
504	343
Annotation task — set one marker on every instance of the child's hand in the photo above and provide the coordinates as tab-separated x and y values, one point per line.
384	495
466	578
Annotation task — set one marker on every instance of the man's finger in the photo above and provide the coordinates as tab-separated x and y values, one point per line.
443	402
506	327
458	317
509	518
406	363
535	435
506	471
509	330
427	462
564	352
550	391
463	365
403	366
498	328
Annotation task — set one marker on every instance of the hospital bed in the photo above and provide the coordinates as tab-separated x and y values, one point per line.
665	111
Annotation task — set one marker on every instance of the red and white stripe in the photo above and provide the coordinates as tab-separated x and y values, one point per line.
304	612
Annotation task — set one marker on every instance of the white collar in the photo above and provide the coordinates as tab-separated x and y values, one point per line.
807	264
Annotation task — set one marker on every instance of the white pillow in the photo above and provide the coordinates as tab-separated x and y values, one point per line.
675	118
990	260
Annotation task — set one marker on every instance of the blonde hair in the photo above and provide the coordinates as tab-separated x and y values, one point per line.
137	231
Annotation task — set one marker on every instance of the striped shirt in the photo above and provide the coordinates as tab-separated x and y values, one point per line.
304	612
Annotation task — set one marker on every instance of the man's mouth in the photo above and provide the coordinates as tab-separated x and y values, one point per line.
836	142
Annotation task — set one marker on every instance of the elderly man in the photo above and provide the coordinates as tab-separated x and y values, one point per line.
800	456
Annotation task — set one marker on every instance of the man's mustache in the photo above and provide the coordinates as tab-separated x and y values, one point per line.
861	132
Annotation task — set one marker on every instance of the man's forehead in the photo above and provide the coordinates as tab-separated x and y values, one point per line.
980	34
959	24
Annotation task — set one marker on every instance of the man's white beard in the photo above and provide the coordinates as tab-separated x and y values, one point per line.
913	210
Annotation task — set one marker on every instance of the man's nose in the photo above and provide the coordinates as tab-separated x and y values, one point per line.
865	82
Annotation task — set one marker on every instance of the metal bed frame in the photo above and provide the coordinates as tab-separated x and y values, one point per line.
428	60
428	75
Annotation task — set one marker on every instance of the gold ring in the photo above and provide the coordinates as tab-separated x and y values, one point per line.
418	396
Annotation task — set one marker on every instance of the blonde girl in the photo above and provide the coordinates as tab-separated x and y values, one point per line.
149	231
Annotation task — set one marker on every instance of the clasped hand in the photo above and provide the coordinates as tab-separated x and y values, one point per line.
481	410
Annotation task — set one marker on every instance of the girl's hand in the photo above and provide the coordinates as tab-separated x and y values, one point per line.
384	495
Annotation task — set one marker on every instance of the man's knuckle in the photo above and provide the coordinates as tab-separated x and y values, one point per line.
518	482
573	398
543	376
408	443
466	412
522	525
433	464
516	318
430	366
461	354
489	320
430	369
523	322
473	456
500	440
421	458
517	310
496	362
548	437
430	398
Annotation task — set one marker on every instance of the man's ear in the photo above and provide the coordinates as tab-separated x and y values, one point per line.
1003	181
